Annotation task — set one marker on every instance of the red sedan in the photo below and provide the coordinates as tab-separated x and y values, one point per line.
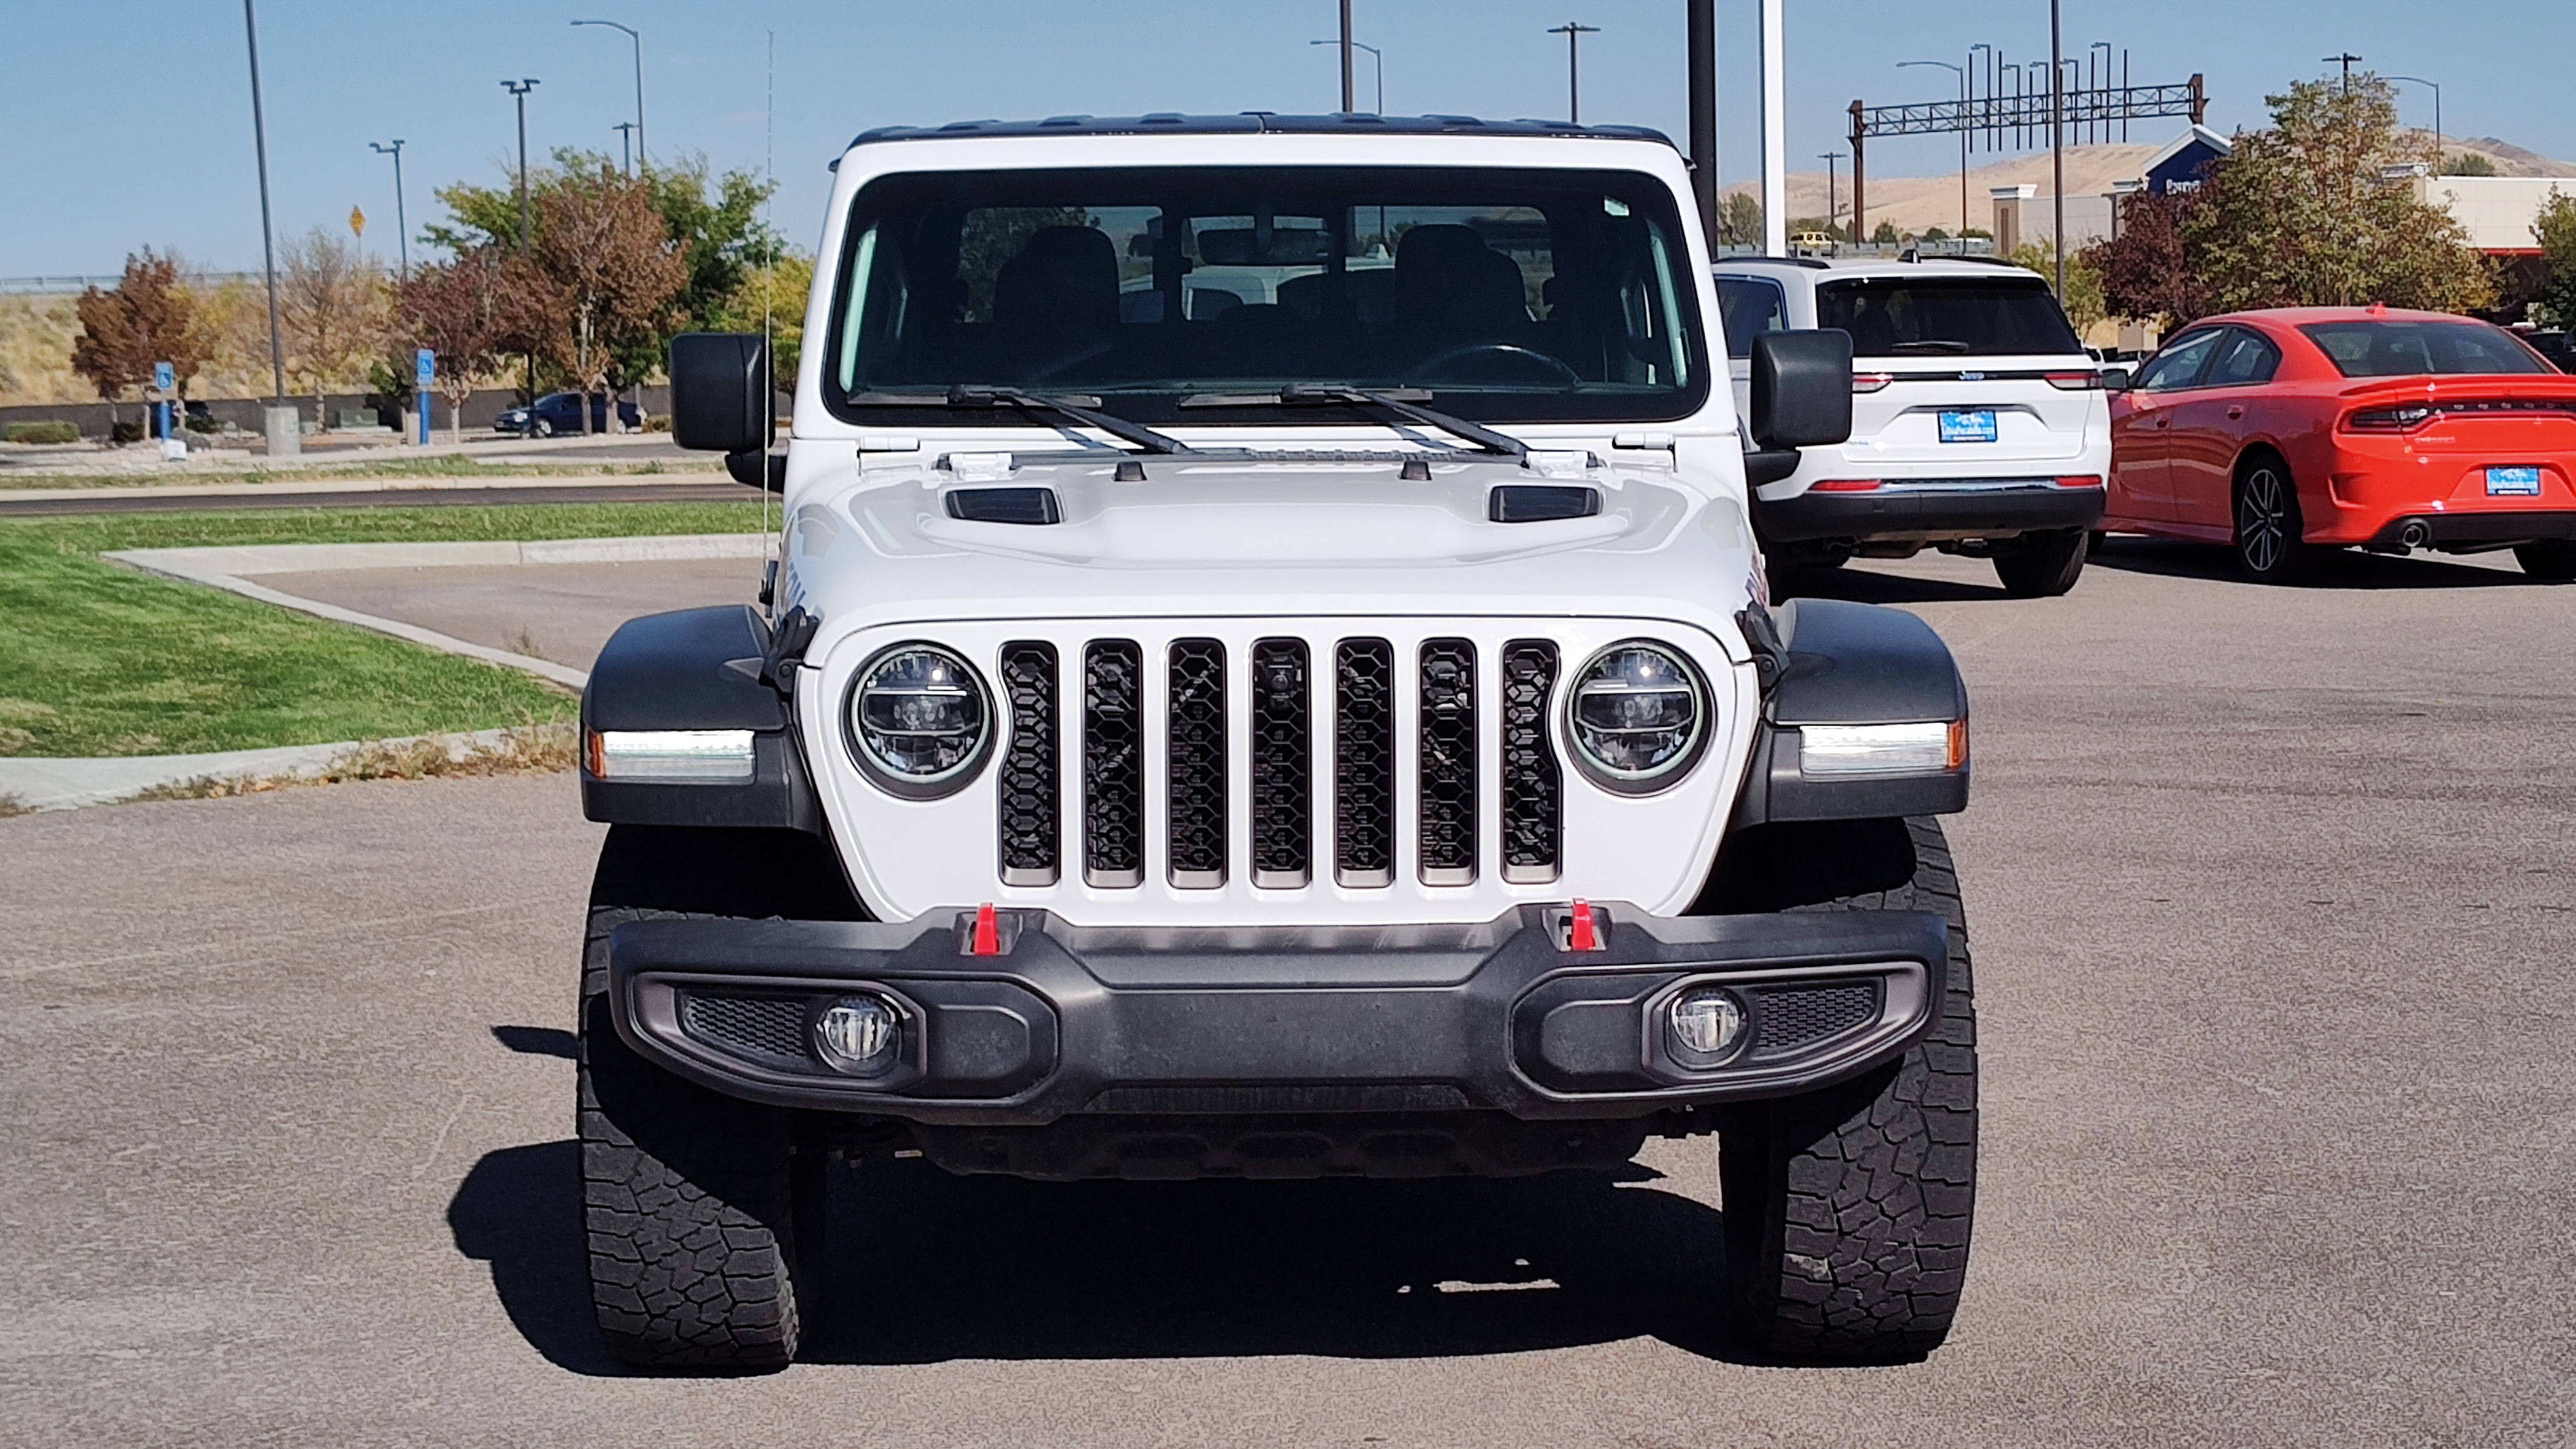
2293	431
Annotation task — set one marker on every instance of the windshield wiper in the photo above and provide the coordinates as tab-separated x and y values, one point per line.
964	396
1300	393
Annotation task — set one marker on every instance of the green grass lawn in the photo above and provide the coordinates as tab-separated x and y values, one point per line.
96	659
390	465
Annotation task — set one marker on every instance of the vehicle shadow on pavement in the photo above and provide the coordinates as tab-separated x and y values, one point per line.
2340	569
926	1266
1864	587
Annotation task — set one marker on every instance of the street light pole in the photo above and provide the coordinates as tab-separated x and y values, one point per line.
633	35
2057	142
1962	73
1377	60
267	226
1833	195
1349	102
2437	116
402	225
519	89
1775	137
625	146
1574	31
2346	59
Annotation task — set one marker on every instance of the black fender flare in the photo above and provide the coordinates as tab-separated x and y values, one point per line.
699	669
1829	661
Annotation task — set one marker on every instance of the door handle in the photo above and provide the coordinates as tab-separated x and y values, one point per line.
2236	412
2164	422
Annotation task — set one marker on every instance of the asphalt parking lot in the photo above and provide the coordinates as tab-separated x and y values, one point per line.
2273	895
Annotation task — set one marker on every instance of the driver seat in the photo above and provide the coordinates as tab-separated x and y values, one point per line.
1451	288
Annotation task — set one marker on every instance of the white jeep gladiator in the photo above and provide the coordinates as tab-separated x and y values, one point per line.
1338	729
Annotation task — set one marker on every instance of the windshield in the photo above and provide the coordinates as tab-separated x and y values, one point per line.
1973	317
2413	349
1523	296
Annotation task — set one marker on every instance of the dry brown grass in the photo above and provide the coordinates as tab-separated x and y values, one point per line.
542	749
14	805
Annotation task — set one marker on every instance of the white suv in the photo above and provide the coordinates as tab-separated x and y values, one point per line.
1339	732
1979	422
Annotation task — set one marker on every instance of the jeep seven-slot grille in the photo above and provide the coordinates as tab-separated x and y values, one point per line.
1364	762
1196	754
1283	798
1533	792
1448	792
1028	785
1291	715
1113	764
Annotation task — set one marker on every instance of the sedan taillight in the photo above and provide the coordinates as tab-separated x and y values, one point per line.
2405	418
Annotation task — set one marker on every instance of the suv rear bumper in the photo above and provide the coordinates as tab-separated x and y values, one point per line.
1968	507
1269	1021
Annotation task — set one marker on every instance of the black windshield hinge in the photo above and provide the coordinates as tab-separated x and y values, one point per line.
787	649
1762	636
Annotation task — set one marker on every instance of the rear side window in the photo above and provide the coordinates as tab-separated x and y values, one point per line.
2413	349
1905	316
2243	359
1751	308
2180	363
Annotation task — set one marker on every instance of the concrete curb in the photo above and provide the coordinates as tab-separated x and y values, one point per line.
43	783
358	485
222	568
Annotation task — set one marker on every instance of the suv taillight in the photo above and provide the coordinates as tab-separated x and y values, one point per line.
1871	381
2075	381
2404	418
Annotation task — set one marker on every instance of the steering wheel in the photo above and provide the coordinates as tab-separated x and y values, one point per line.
1505	351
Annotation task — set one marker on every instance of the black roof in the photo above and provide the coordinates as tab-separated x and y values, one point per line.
1165	123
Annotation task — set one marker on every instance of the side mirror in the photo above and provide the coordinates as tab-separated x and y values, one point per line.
1802	389
720	392
2117	379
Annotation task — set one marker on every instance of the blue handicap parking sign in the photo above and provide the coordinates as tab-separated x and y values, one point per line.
163	377
425	367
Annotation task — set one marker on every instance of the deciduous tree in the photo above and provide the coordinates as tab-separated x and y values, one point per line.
2555	230
600	283
776	293
2144	273
332	305
147	317
453	308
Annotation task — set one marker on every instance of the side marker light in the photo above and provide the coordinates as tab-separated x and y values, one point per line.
1582	931
988	932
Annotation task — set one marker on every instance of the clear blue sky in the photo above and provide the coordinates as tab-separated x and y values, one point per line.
126	124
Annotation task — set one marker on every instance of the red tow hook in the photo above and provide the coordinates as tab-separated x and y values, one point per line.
1582	933
988	933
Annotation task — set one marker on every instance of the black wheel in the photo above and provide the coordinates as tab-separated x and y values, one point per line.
2268	523
2046	564
703	1214
1848	1210
2552	561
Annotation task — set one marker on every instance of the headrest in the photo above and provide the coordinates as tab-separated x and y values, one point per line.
1067	276
1446	277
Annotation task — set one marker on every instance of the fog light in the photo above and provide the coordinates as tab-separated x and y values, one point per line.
860	1035
1706	1022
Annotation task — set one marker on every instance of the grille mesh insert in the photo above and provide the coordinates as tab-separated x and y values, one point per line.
1364	762
1533	801
767	1027
1028	783
1448	783
1795	1017
1282	766
1196	756
1113	768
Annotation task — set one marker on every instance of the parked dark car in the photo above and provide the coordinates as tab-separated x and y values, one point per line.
560	412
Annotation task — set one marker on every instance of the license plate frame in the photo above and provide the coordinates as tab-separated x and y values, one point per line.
2513	482
1967	425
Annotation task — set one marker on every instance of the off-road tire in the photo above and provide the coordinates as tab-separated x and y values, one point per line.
2552	561
1847	1210
2269	524
2046	564
703	1218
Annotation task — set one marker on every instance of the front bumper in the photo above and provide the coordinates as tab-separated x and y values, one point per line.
1972	508
1064	1020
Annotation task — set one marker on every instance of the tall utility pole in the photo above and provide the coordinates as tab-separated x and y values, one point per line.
267	226
1377	64
625	145
633	35
1775	138
2057	141
1833	199
2346	59
1350	102
519	89
1703	115
402	226
1962	73
2437	115
1574	31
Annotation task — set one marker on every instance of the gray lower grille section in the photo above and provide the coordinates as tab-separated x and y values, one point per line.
1028	776
766	1028
1113	764
1792	1018
1533	789
1195	753
1364	762
1448	762
1283	794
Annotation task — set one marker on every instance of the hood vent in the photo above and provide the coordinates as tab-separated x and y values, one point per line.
1536	502
1005	505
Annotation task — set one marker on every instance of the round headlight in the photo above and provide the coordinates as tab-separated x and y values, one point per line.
1637	716
920	720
